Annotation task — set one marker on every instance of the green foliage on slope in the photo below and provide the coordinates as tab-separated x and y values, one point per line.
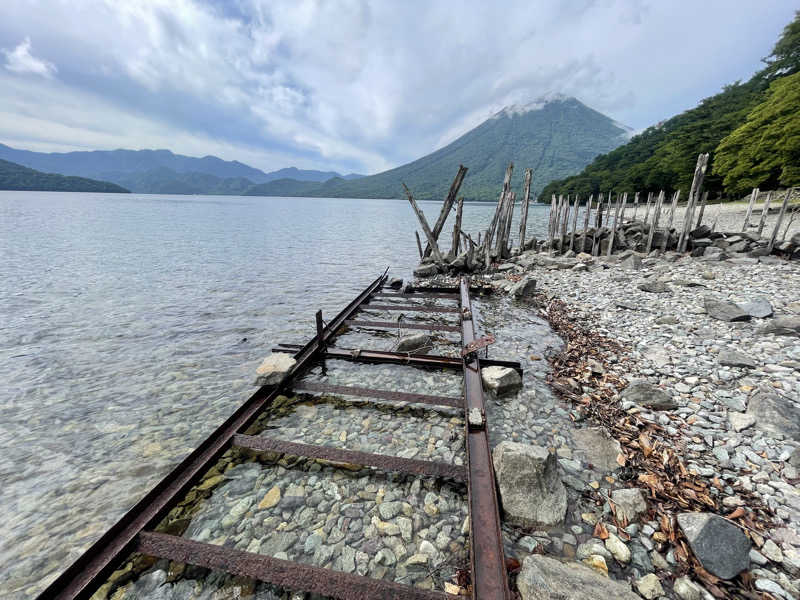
17	177
664	156
554	138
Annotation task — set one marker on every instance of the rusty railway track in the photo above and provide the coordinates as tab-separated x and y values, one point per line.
134	532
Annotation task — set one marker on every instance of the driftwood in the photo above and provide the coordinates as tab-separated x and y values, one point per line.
764	211
525	201
447	206
419	244
753	196
694	192
437	256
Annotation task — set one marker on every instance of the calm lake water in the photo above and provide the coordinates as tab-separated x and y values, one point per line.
131	326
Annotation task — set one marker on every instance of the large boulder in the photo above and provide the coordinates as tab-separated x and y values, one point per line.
720	546
531	492
274	368
545	578
724	311
782	326
775	414
414	343
501	380
597	447
525	288
731	358
649	396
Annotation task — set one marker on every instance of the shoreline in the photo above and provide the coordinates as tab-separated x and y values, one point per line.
735	429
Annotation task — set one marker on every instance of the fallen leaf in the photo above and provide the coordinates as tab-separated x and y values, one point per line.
600	531
621	459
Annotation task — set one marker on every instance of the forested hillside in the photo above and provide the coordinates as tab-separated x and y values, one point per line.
751	130
17	177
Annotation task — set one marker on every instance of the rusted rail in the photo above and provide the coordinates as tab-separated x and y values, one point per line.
133	532
403	325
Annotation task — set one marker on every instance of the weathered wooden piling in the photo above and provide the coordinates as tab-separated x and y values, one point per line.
586	222
753	196
781	214
437	256
694	192
447	205
525	201
764	212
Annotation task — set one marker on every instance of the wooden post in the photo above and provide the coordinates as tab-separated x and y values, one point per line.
493	226
454	249
647	208
437	256
574	222
501	225
635	205
598	223
753	196
419	245
447	205
716	218
525	200
694	193
512	199
781	214
702	210
552	224
586	222
654	222
616	222
664	242
764	212
564	223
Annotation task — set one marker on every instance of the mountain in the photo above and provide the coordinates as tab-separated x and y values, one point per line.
751	131
155	171
555	136
17	177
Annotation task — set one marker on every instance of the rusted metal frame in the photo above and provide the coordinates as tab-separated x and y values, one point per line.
381	394
355	457
92	568
282	573
417	295
415	360
411	308
403	325
489	577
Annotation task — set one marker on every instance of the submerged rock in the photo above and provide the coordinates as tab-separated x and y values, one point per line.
531	492
545	578
501	380
720	546
411	343
274	368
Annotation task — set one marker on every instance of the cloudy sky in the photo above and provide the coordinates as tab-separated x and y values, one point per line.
352	86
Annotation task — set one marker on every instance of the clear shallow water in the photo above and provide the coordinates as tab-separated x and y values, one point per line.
131	325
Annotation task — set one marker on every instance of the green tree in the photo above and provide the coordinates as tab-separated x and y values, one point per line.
785	57
765	150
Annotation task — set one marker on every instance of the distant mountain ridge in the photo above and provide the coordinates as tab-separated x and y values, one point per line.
555	135
18	177
155	171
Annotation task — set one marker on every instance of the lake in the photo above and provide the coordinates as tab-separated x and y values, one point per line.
131	326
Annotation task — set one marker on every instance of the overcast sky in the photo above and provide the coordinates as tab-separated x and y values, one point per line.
352	86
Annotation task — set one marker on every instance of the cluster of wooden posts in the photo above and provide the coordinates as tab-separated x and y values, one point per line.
473	254
623	229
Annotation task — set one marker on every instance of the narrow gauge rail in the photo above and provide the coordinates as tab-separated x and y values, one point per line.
134	532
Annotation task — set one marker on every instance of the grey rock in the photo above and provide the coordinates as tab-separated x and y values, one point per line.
501	380
667	320
649	586
545	578
760	308
724	311
632	263
426	270
686	589
524	288
720	546
396	283
654	287
597	447
741	421
274	368
648	396
411	343
782	326
731	358
775	414
629	502
531	492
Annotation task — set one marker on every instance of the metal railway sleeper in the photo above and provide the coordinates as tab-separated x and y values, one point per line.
133	532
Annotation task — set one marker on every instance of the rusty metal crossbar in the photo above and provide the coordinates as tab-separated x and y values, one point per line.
403	325
381	394
283	573
452	296
354	457
411	308
401	358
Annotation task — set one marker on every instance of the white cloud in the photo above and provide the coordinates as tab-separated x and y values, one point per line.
20	60
355	85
